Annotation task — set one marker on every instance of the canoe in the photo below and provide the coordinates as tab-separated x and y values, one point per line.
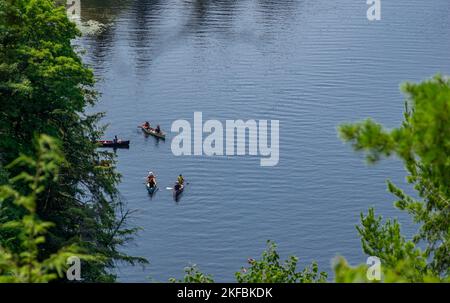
110	143
151	190
177	193
153	132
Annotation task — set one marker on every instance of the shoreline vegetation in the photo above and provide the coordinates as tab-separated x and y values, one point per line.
56	201
45	88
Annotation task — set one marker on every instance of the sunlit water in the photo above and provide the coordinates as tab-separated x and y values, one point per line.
310	64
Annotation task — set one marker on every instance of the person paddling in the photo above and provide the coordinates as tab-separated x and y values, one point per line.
151	179
180	179
158	129
146	125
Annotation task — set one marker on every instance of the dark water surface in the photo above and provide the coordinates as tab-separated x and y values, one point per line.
310	64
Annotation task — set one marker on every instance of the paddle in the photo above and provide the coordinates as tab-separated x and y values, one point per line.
170	188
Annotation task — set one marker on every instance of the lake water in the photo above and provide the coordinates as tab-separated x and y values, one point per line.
309	64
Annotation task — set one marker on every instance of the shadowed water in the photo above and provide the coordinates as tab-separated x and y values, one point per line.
310	64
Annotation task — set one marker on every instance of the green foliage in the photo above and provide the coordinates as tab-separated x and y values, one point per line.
3	175
401	260
386	242
423	144
44	89
193	275
267	270
270	270
22	264
403	272
344	273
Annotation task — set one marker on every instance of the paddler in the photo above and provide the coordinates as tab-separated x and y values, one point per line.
151	179
146	125
180	179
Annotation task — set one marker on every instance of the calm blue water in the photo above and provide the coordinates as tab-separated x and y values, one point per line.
310	64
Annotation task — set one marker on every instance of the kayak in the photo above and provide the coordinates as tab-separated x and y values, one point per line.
177	193
153	132
151	190
110	143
